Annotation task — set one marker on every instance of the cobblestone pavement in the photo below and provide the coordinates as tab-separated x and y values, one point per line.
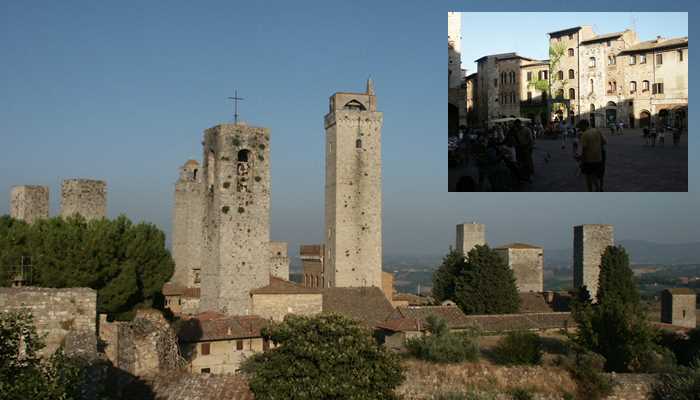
631	166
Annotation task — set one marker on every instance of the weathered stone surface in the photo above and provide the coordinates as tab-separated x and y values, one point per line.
201	387
279	260
86	197
470	235
188	219
590	241
678	307
276	306
353	199
29	203
527	264
66	316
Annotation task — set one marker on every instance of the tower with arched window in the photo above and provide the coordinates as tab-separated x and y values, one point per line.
236	220
353	203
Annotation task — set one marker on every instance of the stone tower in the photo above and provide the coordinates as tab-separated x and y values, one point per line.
454	48
188	216
470	235
29	203
353	204
279	260
236	253
590	242
87	197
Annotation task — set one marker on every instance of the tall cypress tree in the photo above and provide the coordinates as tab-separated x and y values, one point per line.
486	285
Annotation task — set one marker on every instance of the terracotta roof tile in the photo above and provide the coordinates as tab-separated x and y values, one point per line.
606	36
367	305
210	326
656	45
454	317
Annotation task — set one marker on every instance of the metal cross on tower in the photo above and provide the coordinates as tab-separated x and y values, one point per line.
235	99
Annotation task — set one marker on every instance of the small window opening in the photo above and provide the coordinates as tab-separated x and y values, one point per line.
358	143
243	155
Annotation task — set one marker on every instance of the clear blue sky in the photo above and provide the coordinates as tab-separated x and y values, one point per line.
122	91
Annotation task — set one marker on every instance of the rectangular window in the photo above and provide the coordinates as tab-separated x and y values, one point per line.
680	55
659	58
633	60
642	59
205	370
658	88
239	345
204	348
529	76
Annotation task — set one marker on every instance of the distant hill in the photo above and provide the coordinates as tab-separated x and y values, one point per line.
640	251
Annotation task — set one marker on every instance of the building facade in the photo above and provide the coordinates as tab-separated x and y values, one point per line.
527	263
29	203
353	192
86	197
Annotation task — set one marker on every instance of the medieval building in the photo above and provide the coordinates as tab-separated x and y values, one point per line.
607	78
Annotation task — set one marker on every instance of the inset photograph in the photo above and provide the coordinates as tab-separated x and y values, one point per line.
567	102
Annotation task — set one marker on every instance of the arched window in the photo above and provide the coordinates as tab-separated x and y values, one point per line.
645	86
243	155
354	105
614	88
194	174
571	74
591	62
572	93
633	87
591	88
560	75
358	143
571	52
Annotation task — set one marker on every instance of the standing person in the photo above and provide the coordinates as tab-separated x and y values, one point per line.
662	135
620	126
592	162
523	149
562	130
652	135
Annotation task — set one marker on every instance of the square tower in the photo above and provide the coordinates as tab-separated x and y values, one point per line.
353	204
590	242
527	263
87	197
29	203
188	217
236	249
678	307
470	235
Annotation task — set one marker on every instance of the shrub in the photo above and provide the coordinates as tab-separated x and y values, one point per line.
322	357
586	368
683	384
521	394
519	348
443	346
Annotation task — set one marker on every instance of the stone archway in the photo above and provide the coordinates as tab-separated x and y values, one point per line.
644	119
610	113
664	118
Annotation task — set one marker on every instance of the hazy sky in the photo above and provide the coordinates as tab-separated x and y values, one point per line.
122	92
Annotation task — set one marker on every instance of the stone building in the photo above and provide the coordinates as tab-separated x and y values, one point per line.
29	203
603	78
353	192
655	80
590	242
678	307
282	297
86	197
236	228
527	263
456	88
216	343
470	235
312	265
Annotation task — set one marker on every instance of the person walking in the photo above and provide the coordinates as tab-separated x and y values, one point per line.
591	156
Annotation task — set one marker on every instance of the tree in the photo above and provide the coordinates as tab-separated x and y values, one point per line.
23	374
553	83
126	263
322	357
616	327
443	346
486	285
444	278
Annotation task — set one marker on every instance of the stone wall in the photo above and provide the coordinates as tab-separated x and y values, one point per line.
66	316
29	203
276	306
237	217
145	346
86	197
470	235
353	197
279	260
678	308
223	357
590	241
527	266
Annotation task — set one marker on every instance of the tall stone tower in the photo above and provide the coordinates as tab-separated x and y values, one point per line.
470	235
590	242
353	203
87	197
454	48
236	252
29	203
188	217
